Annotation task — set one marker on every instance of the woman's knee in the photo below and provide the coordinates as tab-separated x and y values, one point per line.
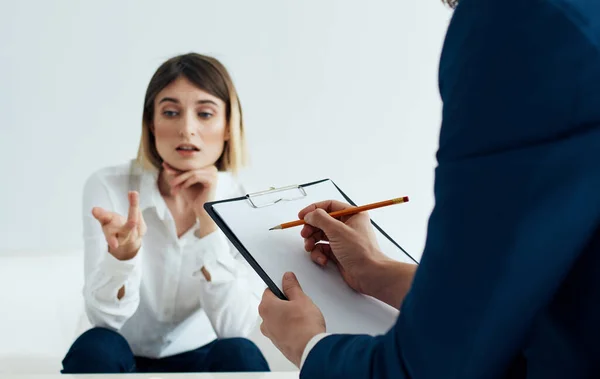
100	341
236	345
240	354
99	350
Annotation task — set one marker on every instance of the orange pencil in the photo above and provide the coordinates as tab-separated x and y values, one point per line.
347	212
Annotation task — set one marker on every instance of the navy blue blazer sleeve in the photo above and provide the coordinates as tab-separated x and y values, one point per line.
515	190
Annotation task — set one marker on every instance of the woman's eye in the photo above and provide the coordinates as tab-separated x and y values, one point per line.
170	113
205	114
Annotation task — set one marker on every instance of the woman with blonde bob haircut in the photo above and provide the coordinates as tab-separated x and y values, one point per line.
164	289
234	155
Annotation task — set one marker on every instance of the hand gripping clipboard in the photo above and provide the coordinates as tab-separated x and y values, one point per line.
245	221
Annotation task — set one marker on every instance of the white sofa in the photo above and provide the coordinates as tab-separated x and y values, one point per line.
42	312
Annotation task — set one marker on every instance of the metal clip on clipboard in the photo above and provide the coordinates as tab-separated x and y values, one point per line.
298	190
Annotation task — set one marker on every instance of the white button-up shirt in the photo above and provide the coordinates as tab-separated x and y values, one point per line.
169	307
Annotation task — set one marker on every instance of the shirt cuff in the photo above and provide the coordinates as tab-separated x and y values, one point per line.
113	266
309	346
214	254
111	275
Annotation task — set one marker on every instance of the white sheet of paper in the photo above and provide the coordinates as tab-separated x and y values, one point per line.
279	251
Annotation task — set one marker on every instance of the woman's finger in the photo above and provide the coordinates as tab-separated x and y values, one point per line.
181	178
195	180
128	231
190	182
112	242
103	216
204	177
170	170
134	206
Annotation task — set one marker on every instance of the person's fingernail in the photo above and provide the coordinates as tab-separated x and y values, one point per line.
321	261
288	276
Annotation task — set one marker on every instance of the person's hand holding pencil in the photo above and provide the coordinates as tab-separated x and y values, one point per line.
352	244
353	247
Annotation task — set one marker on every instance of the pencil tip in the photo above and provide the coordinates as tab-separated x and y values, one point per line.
276	227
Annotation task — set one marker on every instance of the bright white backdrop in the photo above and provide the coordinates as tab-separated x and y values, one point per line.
338	89
343	89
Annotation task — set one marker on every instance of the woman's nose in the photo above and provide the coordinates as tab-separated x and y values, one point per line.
191	125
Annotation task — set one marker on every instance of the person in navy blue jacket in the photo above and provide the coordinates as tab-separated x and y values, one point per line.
509	281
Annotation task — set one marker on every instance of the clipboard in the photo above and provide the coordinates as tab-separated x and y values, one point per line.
245	221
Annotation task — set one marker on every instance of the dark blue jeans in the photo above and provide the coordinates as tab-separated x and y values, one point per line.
100	351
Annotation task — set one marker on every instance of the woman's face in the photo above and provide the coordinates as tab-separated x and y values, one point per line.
190	127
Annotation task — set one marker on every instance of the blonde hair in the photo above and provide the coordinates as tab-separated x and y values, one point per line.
208	74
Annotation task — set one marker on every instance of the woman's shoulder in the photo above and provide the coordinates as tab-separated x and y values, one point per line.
229	186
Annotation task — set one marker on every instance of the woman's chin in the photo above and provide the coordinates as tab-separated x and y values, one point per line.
186	164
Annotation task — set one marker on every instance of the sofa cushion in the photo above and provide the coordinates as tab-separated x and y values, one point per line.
41	308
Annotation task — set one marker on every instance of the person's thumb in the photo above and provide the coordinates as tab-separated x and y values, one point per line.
320	219
291	287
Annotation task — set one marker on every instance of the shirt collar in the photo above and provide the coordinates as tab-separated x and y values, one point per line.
150	194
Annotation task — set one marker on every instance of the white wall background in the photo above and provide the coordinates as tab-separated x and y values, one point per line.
339	89
343	89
